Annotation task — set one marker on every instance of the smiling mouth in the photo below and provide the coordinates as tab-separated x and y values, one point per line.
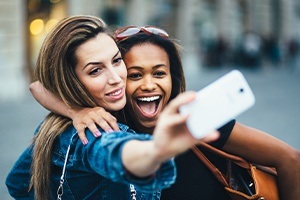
116	93
148	105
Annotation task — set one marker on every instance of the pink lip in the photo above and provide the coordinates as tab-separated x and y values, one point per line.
116	94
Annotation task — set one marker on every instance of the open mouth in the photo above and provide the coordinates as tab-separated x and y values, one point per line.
148	105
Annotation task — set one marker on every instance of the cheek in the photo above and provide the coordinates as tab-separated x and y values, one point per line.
130	88
86	82
129	97
122	72
167	86
95	86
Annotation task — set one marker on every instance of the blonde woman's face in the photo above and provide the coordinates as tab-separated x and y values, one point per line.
101	70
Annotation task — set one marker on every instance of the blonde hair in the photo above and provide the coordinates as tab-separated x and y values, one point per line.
55	69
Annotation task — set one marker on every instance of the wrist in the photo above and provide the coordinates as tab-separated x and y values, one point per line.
71	113
158	154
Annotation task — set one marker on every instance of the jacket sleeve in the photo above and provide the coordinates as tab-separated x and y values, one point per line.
104	157
18	179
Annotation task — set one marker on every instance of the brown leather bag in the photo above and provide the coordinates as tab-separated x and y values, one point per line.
242	180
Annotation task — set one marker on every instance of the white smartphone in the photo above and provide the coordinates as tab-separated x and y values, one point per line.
218	103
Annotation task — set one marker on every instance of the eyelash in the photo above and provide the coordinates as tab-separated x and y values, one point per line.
118	60
158	74
95	71
134	75
115	61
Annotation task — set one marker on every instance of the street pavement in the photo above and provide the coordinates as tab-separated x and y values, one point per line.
276	111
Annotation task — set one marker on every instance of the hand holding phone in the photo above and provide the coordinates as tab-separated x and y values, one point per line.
218	103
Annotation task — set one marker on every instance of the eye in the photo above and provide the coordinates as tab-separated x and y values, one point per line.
117	60
160	73
95	71
134	76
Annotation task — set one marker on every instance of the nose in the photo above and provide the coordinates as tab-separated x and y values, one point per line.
148	84
113	77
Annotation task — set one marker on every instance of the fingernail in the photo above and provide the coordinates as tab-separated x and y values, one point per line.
97	133
110	130
85	142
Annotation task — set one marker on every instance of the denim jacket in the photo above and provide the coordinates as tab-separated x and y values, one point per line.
93	171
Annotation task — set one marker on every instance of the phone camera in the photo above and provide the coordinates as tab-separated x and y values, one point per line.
241	90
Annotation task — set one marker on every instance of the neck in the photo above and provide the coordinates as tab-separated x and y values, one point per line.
142	129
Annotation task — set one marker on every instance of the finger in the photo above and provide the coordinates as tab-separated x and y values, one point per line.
211	137
111	121
88	121
81	134
181	99
177	119
108	123
104	125
93	128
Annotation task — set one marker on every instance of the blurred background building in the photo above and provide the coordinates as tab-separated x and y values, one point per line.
220	33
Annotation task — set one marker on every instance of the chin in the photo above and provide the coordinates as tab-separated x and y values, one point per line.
116	107
119	107
149	125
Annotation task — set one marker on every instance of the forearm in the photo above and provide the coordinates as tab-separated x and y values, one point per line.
256	146
82	117
105	156
140	158
49	101
264	149
289	179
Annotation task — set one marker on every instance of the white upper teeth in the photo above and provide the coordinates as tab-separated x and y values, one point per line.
116	93
148	99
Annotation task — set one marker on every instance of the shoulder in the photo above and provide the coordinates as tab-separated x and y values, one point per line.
125	128
64	139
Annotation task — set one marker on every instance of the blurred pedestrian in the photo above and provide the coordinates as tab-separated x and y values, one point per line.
292	53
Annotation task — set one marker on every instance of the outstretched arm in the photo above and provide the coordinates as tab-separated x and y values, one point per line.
264	149
170	138
82	118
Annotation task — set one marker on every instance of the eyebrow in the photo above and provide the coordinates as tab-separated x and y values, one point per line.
99	63
154	67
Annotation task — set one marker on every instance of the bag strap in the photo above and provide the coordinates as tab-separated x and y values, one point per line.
236	159
60	190
223	179
217	173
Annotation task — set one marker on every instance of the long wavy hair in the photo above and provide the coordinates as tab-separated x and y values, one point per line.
55	69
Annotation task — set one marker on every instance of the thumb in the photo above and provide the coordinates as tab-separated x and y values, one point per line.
210	137
181	99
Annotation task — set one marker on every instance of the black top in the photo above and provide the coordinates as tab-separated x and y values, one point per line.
194	180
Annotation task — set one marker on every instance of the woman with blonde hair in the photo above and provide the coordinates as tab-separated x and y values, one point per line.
80	63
